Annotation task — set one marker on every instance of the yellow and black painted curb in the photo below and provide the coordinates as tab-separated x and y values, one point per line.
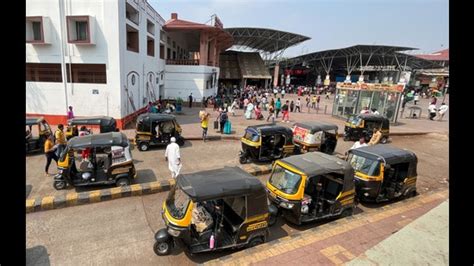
81	198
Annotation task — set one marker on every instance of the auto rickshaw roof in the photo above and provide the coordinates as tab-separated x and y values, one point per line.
315	126
390	154
272	129
99	140
33	120
318	163
92	120
373	117
155	117
219	183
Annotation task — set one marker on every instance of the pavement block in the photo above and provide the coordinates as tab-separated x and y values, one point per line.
59	201
30	205
47	203
94	196
116	192
136	189
105	194
71	199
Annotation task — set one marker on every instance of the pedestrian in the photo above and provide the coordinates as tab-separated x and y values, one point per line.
375	112
277	107
298	105
70	113
292	106
434	100
204	102
360	143
249	110
365	110
275	92
307	102
190	100
271	113
442	110
173	157
204	116
83	131
246	102
285	112
60	140
283	93
376	136
264	103
327	94
416	98
432	110
313	101
49	151
233	106
318	99
222	119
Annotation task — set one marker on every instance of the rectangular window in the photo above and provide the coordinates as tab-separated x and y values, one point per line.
40	72
34	30
87	73
132	14
150	27
132	39
168	53
162	51
78	29
150	46
174	44
174	55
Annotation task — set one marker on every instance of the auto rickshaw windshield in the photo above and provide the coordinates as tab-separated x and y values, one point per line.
251	135
354	120
364	165
285	180
177	203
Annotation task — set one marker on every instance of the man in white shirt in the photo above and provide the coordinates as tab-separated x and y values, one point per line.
173	157
358	144
432	110
442	110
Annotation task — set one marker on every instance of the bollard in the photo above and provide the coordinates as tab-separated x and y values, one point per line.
325	109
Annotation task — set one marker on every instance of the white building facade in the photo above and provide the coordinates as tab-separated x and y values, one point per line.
111	58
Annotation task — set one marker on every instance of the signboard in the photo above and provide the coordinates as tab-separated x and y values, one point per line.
299	133
370	86
376	68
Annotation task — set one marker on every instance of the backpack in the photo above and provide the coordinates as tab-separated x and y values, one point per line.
224	117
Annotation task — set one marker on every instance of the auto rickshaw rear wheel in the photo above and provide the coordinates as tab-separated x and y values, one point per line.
242	159
143	146
255	241
123	181
347	212
272	220
162	248
384	140
58	185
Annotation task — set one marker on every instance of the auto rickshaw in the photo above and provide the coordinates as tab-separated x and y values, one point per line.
146	130
35	141
364	125
383	172
266	143
100	159
315	135
105	123
214	210
311	187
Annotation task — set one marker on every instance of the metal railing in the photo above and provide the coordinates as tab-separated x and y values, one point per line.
192	62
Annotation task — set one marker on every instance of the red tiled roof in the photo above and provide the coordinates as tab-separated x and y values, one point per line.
442	55
184	24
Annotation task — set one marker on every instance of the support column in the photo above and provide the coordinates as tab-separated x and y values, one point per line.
275	75
203	48
266	83
212	49
218	56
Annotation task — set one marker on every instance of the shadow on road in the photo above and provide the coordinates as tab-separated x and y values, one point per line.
145	176
28	190
37	255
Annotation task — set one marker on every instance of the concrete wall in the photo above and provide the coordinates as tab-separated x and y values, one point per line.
180	81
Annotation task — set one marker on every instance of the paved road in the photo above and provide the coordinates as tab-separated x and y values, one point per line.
121	231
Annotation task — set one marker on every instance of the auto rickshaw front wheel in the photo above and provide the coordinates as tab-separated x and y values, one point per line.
59	185
384	140
143	146
255	241
242	159
162	248
123	181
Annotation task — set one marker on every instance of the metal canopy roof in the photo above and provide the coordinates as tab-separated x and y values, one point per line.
353	57
266	40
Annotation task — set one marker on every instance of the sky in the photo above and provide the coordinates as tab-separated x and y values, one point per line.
331	24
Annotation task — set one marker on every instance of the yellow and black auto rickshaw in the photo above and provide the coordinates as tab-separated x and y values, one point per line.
156	129
383	172
363	125
37	130
311	135
214	210
311	186
105	123
266	143
100	159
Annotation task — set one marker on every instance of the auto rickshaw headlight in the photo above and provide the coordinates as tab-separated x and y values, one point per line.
173	232
287	205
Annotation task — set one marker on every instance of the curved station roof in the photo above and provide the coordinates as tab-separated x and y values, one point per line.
265	40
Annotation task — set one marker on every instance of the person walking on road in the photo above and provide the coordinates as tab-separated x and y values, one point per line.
277	107
70	113
223	117
292	106
313	102
49	151
190	98
60	140
204	116
442	111
286	113
271	113
432	110
283	93
318	99
298	105
173	157
307	102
